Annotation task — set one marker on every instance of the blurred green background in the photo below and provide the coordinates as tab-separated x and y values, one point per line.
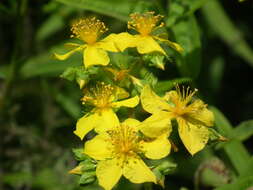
38	109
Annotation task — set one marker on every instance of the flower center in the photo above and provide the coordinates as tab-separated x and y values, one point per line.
88	30
125	141
181	101
99	96
144	23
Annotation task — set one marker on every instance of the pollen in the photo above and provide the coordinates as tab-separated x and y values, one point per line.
125	141
89	30
99	96
145	23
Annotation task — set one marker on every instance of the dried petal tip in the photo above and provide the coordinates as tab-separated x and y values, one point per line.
145	23
88	29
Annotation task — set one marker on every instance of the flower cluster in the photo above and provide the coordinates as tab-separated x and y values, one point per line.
116	142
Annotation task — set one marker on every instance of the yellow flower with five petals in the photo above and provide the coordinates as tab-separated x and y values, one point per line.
118	153
102	117
94	50
146	41
192	116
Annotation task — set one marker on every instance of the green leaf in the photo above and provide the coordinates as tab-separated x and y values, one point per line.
221	122
148	77
187	35
44	64
114	8
179	9
240	184
215	136
87	177
49	27
155	60
243	131
220	22
163	86
241	159
69	105
216	71
54	23
79	155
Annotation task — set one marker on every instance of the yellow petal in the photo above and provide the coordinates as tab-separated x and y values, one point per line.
95	56
99	147
194	137
120	93
147	45
110	42
206	116
67	55
108	173
158	148
107	120
157	125
121	41
203	115
100	121
85	124
130	103
133	123
173	45
137	171
151	102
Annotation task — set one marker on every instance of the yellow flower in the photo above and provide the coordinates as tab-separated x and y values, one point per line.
192	116
89	31
102	117
145	42
118	151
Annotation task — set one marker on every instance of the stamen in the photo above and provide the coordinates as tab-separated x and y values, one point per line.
145	23
182	101
88	29
99	96
125	141
185	95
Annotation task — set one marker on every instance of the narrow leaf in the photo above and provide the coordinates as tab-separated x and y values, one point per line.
219	21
